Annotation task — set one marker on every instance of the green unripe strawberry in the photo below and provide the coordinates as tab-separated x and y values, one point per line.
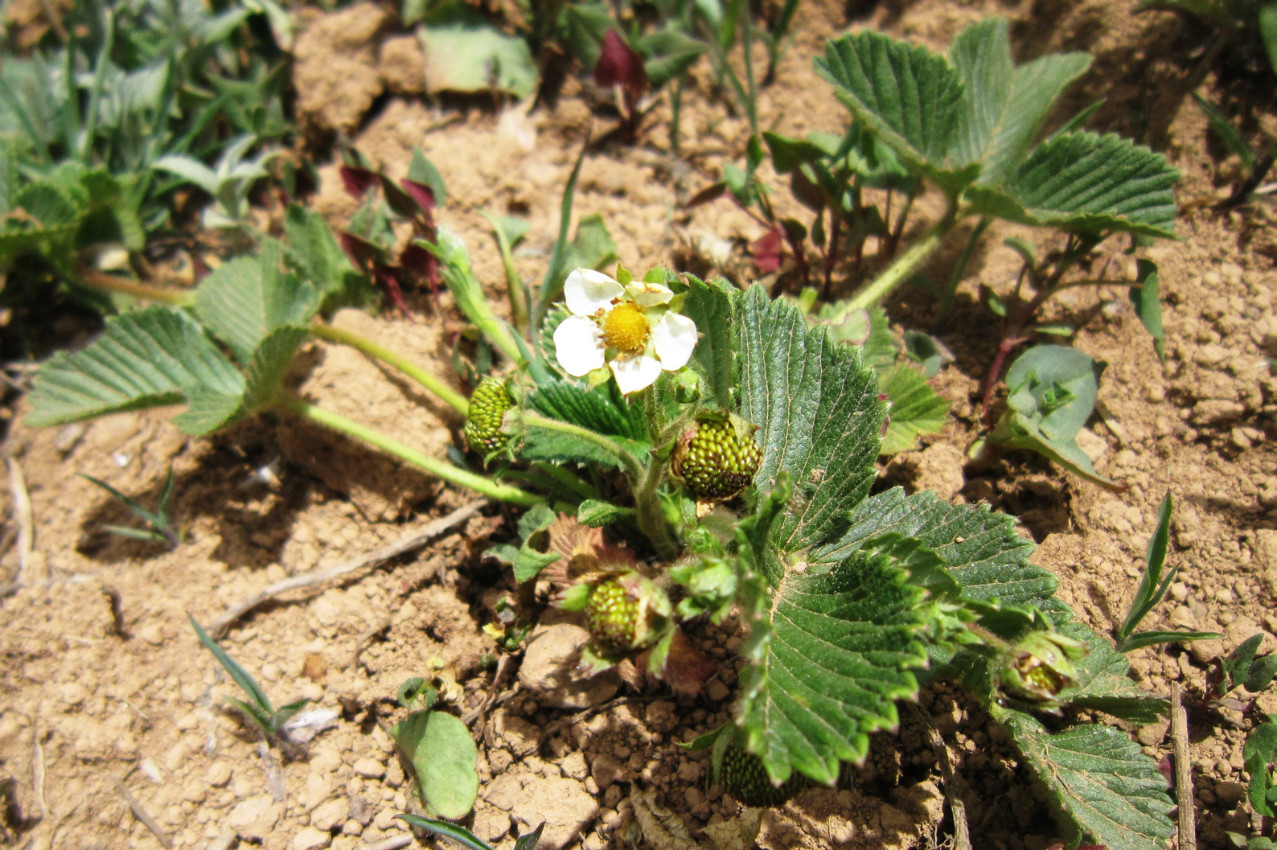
717	457
488	406
743	776
625	615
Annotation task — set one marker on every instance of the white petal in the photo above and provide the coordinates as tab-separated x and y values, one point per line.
674	337
649	294
635	373
588	291
578	345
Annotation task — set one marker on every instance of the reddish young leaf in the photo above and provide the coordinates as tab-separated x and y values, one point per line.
362	253
420	193
620	65
358	180
769	249
393	290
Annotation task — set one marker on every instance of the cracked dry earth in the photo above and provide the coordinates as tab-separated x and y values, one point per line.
114	731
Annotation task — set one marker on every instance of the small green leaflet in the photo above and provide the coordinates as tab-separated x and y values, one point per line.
818	412
1100	779
149	358
915	408
829	668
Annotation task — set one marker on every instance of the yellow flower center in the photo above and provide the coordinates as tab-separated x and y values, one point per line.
626	328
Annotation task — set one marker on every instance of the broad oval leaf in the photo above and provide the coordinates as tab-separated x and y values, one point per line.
827	670
150	358
444	757
1086	183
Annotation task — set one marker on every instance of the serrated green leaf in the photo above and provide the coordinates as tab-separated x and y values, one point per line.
601	410
149	358
818	414
444	757
979	547
207	411
1004	107
908	96
322	263
710	306
829	668
1104	785
915	408
248	297
1084	183
269	365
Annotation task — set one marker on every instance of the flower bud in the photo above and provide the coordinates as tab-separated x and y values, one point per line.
1040	665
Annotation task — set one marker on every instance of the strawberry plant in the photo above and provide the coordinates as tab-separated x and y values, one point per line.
685	449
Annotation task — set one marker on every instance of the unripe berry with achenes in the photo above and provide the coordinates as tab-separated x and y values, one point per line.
717	457
743	776
488	406
625	615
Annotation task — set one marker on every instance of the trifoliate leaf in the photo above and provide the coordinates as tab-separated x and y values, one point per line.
150	358
1100	780
828	668
818	414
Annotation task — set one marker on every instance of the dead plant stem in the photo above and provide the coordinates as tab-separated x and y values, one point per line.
1183	771
405	544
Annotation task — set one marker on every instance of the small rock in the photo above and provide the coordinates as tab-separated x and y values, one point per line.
549	670
254	818
361	810
369	768
218	773
331	814
310	838
605	770
73	693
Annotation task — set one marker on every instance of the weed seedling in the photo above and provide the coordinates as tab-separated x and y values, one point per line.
258	709
465	837
159	526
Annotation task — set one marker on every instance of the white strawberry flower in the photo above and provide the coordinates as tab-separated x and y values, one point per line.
630	328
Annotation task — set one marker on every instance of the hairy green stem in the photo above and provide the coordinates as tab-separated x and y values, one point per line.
565	479
651	519
441	469
445	393
111	283
960	270
898	271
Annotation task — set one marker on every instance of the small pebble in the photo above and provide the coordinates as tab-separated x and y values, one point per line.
369	768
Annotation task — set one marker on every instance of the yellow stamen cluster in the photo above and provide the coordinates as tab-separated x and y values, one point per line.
625	328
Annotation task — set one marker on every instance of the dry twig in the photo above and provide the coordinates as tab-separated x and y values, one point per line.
143	816
952	785
406	544
23	517
1183	772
